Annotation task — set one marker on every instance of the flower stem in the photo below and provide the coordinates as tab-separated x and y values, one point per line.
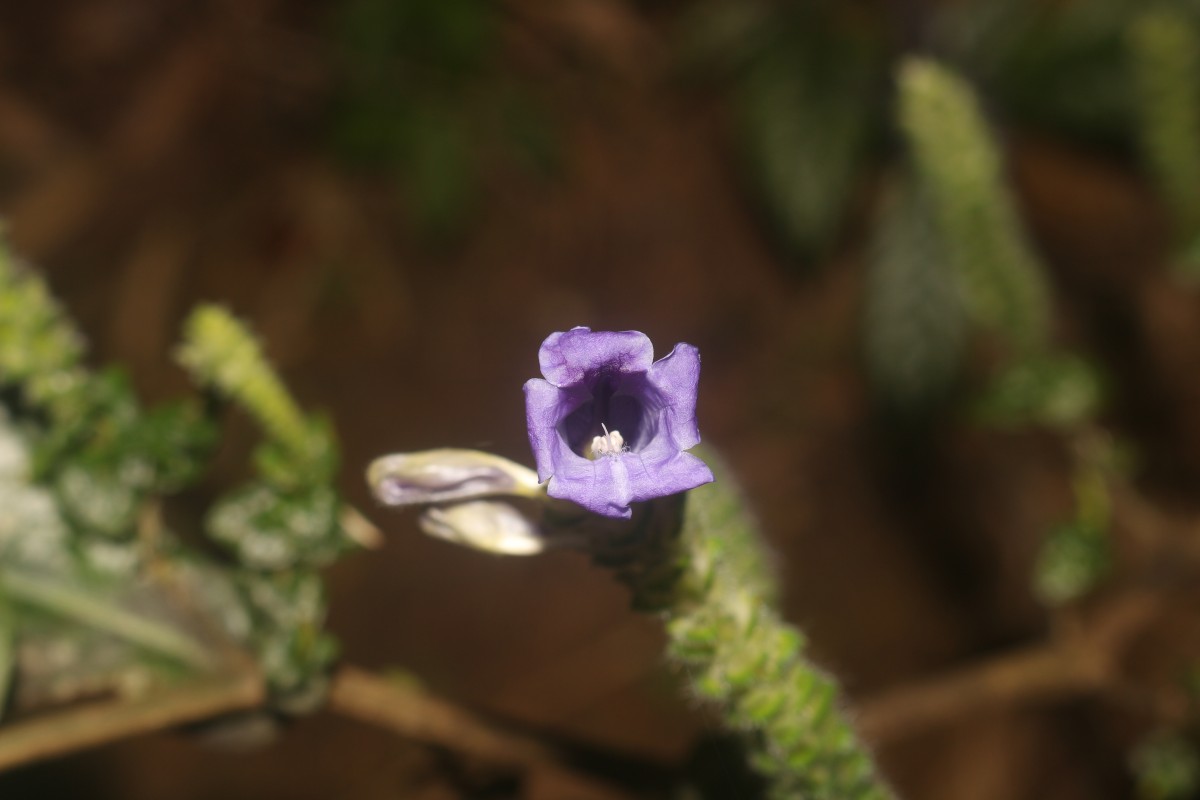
716	594
96	612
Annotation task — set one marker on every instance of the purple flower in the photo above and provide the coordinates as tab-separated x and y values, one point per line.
609	425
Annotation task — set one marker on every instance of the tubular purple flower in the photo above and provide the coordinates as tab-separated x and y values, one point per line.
609	425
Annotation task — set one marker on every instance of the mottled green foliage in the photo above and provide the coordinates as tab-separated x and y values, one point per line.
86	563
915	328
267	530
33	534
289	516
960	169
285	523
1164	61
1167	767
40	351
288	615
740	656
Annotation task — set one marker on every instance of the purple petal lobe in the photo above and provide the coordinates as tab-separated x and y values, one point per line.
601	486
543	410
680	472
568	357
676	378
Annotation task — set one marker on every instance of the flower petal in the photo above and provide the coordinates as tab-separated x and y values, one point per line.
602	486
662	471
545	406
567	357
676	378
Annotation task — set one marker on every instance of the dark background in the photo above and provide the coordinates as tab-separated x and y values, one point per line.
158	154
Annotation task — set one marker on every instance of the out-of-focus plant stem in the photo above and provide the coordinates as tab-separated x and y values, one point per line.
715	591
68	731
98	612
8	654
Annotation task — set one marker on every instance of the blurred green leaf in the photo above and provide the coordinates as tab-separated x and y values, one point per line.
807	105
914	326
961	170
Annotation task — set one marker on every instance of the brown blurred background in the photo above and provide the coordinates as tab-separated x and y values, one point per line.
559	168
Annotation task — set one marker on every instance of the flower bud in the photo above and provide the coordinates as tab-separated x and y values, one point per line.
446	475
494	526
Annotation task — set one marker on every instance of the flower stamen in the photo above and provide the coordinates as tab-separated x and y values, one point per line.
612	443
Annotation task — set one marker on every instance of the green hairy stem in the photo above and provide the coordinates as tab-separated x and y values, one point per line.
712	585
69	601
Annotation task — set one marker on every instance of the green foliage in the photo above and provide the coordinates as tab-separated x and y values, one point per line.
268	530
87	565
1167	767
960	170
289	517
915	328
740	656
33	533
288	614
39	350
1164	60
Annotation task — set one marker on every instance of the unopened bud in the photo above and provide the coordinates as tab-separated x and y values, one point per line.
494	526
447	475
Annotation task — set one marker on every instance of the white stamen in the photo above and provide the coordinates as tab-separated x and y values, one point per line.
612	443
